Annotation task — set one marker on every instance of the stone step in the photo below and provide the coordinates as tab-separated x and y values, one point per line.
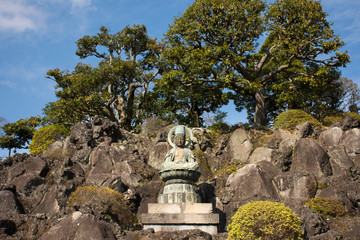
180	218
180	208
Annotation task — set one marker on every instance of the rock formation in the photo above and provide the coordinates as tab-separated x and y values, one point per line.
236	168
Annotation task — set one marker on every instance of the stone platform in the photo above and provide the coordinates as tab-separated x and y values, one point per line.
181	216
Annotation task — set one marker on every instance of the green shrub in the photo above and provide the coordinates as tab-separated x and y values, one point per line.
353	115
330	120
327	207
264	220
45	136
106	201
288	120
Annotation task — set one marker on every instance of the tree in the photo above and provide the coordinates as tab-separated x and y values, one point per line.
351	95
293	35
116	88
18	134
185	91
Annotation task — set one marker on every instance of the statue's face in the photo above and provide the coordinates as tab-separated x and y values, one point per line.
179	140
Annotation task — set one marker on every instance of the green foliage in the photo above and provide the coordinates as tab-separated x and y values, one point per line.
264	220
219	126
353	115
45	136
115	89
105	201
330	120
218	42
327	207
18	134
288	120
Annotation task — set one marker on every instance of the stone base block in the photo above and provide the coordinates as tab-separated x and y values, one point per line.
180	216
180	208
211	229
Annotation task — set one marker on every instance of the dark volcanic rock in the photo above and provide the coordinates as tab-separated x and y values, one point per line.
313	223
249	183
311	157
9	203
79	226
175	235
349	123
351	140
296	188
34	190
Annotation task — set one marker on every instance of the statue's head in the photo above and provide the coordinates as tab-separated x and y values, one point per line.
180	136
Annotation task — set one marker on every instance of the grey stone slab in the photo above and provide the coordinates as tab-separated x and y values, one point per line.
180	208
211	229
180	218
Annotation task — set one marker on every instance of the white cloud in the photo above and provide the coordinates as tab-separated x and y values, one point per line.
80	3
8	84
18	16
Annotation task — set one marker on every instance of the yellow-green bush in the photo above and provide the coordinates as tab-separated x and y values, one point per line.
353	115
264	220
45	136
327	207
288	120
330	120
106	201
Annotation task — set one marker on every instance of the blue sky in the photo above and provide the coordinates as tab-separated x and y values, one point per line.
38	35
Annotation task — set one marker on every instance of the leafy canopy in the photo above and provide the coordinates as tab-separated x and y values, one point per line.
255	46
116	88
18	134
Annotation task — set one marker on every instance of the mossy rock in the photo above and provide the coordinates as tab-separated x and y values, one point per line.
108	203
264	220
327	207
288	120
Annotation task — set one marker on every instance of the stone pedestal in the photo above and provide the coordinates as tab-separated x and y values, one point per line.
181	216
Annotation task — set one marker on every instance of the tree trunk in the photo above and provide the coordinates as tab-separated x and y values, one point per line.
129	109
260	109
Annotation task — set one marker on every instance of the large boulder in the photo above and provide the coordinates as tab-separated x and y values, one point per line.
79	226
249	183
313	223
240	146
340	161
296	188
331	136
49	204
29	178
261	154
9	203
157	154
282	157
309	156
351	140
348	123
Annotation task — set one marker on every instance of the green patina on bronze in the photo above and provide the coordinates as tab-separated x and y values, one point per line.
179	170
